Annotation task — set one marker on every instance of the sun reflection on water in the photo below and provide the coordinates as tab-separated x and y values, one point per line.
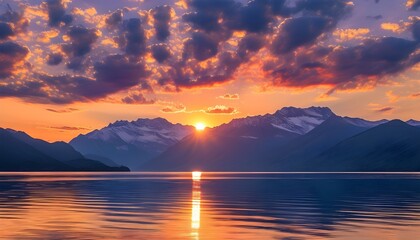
195	205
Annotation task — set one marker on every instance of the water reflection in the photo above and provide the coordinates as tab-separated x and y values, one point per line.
195	205
235	206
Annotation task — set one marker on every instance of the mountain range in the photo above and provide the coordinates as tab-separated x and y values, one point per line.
20	152
290	139
293	139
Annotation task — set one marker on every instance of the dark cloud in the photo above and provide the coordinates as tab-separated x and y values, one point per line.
68	128
345	67
133	39
112	75
228	15
221	109
11	55
54	58
81	41
250	43
78	63
57	13
31	91
201	46
12	22
182	75
6	30
162	16
137	98
114	18
416	30
160	52
116	73
376	17
379	57
65	110
213	23
332	9
253	17
297	32
384	109
415	5
206	22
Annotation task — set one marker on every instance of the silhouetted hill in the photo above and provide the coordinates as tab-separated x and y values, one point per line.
392	146
17	155
57	150
20	152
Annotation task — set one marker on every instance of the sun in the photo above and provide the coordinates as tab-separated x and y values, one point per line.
200	126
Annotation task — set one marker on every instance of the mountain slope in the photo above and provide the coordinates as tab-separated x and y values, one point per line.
19	155
413	122
392	146
327	134
215	150
57	150
131	143
291	119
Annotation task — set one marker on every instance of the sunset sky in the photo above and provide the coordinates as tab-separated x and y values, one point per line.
71	66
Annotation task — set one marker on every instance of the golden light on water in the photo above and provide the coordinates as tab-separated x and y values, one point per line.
195	205
196	175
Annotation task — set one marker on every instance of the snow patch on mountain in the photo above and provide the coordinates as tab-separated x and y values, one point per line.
413	122
364	123
144	131
291	119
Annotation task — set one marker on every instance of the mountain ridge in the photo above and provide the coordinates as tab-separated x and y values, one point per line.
21	152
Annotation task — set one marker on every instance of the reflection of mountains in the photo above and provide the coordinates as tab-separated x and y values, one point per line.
297	206
315	206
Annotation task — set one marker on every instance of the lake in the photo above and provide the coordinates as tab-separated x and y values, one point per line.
285	206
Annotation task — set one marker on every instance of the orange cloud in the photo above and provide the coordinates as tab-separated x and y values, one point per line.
220	109
68	128
415	95
234	96
384	109
351	33
45	37
392	97
394	27
173	107
66	110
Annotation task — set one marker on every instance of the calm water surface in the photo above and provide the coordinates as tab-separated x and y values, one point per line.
288	206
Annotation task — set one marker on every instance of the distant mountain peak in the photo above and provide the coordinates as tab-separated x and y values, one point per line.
154	122
290	119
131	142
313	110
413	122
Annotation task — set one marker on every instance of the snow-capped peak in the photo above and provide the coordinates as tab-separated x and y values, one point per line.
142	130
291	119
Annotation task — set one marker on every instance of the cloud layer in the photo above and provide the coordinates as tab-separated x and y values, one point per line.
90	55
